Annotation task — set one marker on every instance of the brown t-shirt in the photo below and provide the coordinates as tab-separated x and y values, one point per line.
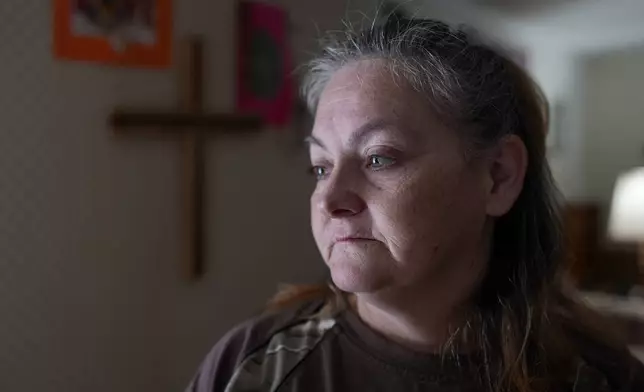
314	349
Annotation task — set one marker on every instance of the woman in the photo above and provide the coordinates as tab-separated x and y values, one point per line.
436	214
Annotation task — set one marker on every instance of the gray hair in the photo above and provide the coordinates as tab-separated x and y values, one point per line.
466	82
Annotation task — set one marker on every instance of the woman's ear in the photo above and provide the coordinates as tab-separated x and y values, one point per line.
507	171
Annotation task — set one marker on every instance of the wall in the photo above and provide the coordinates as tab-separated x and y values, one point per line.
91	297
613	118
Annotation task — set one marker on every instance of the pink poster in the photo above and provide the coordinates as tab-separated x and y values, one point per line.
264	81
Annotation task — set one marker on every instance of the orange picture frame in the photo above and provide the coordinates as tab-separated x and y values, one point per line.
69	44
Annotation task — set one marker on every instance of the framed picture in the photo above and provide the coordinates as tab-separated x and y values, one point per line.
135	33
264	81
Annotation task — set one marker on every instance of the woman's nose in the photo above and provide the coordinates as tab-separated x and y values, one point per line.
340	198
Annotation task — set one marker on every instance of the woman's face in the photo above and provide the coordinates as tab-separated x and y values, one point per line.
396	203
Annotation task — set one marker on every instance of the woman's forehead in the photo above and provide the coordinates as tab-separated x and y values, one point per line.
365	84
367	92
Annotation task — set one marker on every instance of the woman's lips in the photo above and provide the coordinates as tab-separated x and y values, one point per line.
350	239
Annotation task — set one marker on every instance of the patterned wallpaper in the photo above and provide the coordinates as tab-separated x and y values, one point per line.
91	298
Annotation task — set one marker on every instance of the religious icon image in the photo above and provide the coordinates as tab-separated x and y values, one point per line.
119	20
119	32
194	124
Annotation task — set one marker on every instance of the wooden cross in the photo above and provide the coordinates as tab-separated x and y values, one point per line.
193	124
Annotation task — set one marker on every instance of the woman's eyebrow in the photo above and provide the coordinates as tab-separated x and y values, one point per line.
363	132
314	141
359	136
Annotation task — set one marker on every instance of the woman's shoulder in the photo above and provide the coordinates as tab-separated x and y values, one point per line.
244	354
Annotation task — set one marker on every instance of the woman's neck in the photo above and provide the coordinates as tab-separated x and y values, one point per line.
419	329
422	317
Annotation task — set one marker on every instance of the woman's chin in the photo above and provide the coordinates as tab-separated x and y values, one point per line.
353	280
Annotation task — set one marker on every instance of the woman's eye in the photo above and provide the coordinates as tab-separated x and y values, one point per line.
380	162
318	172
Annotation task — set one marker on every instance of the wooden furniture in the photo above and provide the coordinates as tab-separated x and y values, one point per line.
592	261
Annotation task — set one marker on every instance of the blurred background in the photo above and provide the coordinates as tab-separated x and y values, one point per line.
153	192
